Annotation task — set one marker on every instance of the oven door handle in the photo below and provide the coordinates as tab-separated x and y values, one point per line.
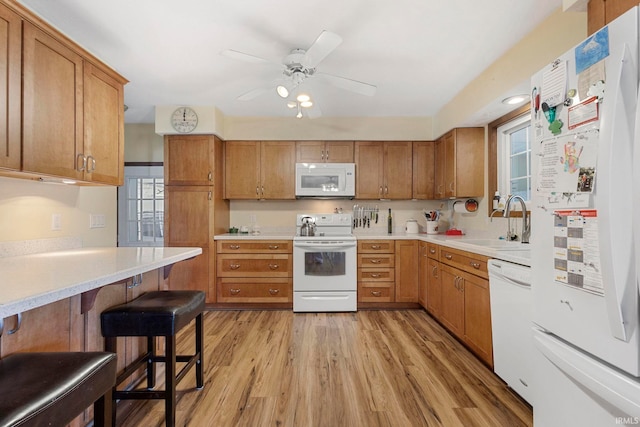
324	247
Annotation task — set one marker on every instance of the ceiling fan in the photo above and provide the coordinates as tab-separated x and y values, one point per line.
300	65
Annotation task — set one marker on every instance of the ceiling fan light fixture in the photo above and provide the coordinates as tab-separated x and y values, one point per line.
299	115
292	104
303	97
283	92
306	104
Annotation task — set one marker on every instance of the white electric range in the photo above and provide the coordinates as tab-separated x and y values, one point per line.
325	264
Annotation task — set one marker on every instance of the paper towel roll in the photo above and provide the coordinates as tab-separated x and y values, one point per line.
459	207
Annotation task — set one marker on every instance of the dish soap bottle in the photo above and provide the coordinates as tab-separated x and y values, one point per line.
496	200
390	223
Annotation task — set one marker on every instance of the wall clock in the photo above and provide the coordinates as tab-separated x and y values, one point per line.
184	120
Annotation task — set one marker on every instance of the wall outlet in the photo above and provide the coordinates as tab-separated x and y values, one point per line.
56	222
97	221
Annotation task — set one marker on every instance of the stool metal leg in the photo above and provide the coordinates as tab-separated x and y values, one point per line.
151	366
111	344
199	352
102	410
170	380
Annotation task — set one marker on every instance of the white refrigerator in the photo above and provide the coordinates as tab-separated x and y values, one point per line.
585	251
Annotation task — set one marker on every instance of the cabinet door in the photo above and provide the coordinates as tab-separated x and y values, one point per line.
469	162
189	159
242	170
103	126
452	312
52	106
10	83
407	265
434	288
277	166
188	215
423	170
310	151
477	317
398	166
339	152
440	161
423	274
449	143
369	156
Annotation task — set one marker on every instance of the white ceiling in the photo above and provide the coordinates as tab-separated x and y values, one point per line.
419	53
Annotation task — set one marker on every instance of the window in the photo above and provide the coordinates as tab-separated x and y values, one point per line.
141	207
514	158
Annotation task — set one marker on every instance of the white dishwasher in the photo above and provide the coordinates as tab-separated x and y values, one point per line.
511	320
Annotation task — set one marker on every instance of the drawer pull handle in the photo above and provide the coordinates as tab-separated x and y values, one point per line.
375	275
234	291
274	266
234	247
432	251
375	261
234	266
274	291
475	265
376	247
376	293
434	272
448	256
274	247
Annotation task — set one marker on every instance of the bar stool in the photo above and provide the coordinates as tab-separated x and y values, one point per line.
51	389
156	314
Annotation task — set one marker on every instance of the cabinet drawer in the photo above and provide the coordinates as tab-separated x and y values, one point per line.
376	260
254	291
375	292
376	274
246	265
376	246
254	246
433	251
467	261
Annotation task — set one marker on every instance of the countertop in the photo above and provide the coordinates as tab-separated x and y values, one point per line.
518	253
31	281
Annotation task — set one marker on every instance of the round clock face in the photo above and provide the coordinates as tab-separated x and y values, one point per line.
184	120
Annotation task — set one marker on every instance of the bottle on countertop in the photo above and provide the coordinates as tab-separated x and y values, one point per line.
501	203
496	200
390	223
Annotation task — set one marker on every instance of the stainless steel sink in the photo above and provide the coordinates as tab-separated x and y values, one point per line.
497	244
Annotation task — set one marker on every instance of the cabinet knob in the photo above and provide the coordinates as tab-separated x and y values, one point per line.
274	291
474	264
274	266
448	256
432	251
375	275
234	291
273	247
376	293
234	247
234	266
376	247
375	261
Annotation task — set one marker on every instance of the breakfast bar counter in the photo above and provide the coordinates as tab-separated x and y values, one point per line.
31	281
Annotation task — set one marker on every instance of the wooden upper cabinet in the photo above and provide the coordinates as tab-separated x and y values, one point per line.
260	170
423	170
602	12
52	106
324	151
189	159
103	126
459	163
383	169
10	78
73	112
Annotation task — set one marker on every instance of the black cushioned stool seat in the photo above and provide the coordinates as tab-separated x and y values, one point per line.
157	314
51	389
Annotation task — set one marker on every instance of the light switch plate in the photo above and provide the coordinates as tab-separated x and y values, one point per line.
97	221
56	222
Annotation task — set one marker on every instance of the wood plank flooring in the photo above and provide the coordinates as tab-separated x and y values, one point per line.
370	368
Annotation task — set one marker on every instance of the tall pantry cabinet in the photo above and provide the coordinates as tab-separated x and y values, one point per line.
194	207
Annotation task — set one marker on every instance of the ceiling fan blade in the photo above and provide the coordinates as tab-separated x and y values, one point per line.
240	56
323	46
349	84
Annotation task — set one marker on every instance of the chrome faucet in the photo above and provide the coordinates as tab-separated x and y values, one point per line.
526	223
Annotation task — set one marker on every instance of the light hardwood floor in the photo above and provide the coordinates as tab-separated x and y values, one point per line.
370	368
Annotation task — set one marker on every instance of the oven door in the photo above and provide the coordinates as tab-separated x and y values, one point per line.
325	265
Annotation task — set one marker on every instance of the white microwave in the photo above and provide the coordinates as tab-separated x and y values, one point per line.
326	180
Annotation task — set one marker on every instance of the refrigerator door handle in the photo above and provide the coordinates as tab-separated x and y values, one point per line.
614	200
607	384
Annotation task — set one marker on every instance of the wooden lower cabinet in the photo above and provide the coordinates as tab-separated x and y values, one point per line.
458	296
407	270
254	271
